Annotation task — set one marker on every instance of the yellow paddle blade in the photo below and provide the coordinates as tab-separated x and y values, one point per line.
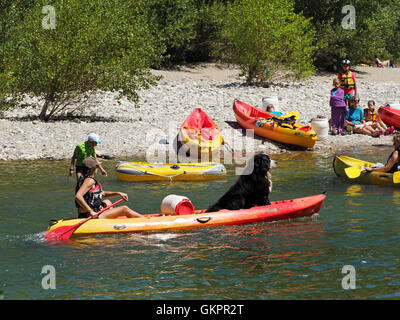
396	177
293	113
352	172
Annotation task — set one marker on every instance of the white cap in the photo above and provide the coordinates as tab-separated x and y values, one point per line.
94	137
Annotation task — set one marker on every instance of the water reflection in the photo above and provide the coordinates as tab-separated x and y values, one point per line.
396	197
354	190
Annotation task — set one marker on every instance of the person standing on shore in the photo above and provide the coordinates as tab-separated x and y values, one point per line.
82	151
338	108
347	81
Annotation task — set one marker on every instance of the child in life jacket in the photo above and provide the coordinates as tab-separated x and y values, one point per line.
347	81
372	119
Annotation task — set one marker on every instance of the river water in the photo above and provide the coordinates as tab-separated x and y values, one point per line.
358	226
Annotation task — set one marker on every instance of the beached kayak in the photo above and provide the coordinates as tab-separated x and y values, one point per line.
268	125
145	171
200	135
340	163
278	210
390	116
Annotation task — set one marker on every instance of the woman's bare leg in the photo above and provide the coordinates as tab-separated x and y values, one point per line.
119	211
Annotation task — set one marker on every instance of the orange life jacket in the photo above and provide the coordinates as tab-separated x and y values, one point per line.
370	116
347	81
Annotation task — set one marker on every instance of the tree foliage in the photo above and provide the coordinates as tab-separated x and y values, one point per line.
96	45
267	36
376	31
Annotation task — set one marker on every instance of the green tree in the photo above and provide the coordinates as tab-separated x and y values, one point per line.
172	23
376	31
95	45
266	36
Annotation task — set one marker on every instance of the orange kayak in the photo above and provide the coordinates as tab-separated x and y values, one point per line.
200	134
277	210
264	125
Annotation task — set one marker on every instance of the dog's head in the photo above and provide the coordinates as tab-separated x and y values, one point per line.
260	165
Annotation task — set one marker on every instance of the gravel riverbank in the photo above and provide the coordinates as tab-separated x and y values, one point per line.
127	131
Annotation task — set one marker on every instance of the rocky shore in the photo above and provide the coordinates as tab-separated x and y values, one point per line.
127	131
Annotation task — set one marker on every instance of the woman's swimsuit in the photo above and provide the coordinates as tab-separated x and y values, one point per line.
93	197
396	166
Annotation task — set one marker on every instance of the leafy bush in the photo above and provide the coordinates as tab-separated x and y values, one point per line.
376	33
96	45
266	36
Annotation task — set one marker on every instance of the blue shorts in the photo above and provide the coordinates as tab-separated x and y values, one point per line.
348	96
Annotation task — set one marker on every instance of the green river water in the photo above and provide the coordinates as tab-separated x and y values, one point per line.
299	259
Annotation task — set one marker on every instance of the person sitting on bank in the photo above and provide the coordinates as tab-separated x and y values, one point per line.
271	109
386	63
82	151
393	163
355	120
89	195
372	118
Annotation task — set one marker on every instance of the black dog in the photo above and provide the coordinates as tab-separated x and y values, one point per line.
251	189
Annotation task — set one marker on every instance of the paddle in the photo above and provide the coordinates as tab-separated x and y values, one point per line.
396	177
352	172
65	232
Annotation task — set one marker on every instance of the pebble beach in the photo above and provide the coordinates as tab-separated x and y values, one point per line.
127	131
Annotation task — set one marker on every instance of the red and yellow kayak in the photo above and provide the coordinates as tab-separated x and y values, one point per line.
278	210
390	116
262	123
200	135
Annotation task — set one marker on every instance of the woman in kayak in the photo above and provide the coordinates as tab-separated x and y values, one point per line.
393	163
89	195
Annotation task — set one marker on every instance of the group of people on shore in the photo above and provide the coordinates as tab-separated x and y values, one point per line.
347	115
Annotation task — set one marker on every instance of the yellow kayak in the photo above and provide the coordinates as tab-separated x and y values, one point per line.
277	210
145	171
340	163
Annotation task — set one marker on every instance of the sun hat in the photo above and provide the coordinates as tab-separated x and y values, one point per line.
346	62
94	137
90	163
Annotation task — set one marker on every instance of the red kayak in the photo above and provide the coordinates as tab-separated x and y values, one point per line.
390	116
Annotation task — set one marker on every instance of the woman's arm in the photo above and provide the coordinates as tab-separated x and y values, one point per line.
392	161
86	186
111	194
